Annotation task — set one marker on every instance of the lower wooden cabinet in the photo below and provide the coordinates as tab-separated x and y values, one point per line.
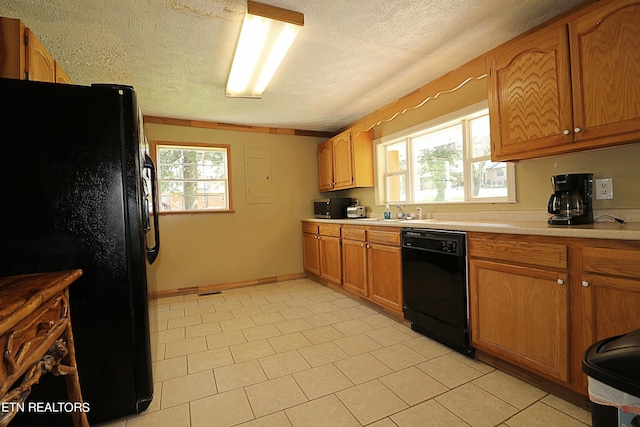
385	275
354	262
311	252
366	261
321	251
610	285
372	265
521	313
539	302
610	301
330	259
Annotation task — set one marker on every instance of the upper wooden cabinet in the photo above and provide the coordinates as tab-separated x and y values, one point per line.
12	50
41	66
568	87
605	65
22	55
530	95
346	161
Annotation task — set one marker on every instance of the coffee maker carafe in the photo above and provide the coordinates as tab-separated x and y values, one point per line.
571	202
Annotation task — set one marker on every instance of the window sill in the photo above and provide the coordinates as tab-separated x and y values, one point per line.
202	211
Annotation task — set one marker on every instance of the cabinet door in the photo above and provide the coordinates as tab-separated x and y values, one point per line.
12	52
311	253
40	63
385	276
342	158
611	282
613	305
605	67
362	157
354	265
520	314
325	166
530	95
330	259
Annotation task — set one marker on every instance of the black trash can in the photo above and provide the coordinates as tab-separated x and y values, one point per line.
613	368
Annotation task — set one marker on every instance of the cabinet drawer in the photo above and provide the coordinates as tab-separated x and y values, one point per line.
354	234
310	227
384	237
329	230
533	253
615	262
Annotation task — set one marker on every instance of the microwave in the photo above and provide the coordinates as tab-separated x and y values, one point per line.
331	208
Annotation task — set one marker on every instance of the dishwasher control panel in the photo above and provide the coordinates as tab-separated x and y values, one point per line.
434	240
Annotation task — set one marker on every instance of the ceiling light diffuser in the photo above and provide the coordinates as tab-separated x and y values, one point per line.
267	34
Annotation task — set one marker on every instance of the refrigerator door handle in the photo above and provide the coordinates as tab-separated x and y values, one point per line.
152	253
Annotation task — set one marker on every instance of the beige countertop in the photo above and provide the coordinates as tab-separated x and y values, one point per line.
597	230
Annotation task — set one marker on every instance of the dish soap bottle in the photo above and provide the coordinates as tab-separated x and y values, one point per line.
387	212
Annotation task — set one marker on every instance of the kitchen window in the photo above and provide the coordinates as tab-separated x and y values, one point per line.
193	177
446	160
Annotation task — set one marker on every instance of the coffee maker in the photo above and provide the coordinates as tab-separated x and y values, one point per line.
572	200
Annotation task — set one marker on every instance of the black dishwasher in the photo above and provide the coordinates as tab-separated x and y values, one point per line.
434	283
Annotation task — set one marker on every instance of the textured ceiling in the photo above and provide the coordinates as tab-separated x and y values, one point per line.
350	58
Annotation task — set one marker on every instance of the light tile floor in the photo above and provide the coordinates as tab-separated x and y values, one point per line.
299	354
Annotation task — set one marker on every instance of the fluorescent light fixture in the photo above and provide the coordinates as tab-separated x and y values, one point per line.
267	34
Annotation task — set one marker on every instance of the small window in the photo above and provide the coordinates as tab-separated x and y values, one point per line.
193	177
447	160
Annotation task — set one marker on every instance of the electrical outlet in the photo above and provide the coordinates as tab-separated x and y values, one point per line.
604	188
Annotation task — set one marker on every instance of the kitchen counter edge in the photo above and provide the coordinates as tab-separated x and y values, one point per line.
598	230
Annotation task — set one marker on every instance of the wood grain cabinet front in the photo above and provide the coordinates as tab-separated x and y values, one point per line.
538	302
354	261
611	280
519	308
521	314
346	161
321	251
372	265
568	87
41	66
24	57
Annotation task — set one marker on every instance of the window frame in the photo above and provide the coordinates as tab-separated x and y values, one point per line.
464	116
156	145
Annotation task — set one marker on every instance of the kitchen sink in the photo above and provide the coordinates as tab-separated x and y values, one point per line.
397	220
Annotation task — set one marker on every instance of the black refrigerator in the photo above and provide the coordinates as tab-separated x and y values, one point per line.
78	191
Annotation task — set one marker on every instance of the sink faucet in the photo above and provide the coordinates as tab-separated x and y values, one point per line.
419	213
401	213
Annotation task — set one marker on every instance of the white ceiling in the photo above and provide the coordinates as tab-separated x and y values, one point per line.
350	58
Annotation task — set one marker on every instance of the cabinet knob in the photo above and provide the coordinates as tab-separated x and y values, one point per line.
363	245
585	283
566	132
577	130
560	282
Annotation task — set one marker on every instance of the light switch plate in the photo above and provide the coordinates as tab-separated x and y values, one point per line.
604	188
